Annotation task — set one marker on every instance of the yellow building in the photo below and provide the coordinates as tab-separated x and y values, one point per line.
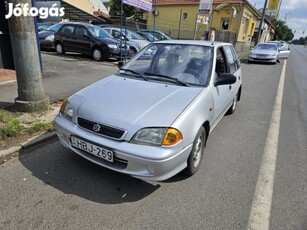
231	20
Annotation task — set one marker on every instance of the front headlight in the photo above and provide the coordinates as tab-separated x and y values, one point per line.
111	46
252	55
157	136
50	38
67	110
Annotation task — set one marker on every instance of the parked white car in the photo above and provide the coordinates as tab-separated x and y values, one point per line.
152	118
264	52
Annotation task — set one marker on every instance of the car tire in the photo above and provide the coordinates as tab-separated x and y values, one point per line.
132	51
59	48
197	152
233	107
97	54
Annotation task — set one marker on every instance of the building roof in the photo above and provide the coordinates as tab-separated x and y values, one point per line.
196	2
75	14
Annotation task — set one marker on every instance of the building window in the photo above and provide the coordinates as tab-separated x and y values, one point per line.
225	24
185	16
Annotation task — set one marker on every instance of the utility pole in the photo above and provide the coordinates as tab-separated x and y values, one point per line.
261	22
154	15
31	96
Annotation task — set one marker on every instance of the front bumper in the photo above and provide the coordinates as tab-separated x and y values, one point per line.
262	59
45	44
140	161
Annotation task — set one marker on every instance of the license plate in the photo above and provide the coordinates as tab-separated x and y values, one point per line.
92	149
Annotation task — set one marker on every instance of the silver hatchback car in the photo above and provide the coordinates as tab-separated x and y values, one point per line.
152	118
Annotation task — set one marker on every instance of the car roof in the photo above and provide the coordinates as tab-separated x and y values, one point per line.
193	42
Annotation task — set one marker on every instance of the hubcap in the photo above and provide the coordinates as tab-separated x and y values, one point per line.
59	48
197	152
97	55
234	103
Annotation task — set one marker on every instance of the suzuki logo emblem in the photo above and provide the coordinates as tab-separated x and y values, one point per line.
96	128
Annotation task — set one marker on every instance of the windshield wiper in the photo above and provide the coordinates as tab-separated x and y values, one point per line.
135	73
170	79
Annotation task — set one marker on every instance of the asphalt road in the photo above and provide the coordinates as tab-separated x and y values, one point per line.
51	188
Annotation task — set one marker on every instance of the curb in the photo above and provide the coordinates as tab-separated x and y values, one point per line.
12	152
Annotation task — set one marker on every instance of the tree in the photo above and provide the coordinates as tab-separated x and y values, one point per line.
128	10
283	32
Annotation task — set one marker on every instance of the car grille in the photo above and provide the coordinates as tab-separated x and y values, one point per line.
100	128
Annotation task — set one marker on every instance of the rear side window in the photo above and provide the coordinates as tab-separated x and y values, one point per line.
230	59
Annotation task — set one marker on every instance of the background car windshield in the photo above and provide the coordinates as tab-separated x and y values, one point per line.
190	64
54	28
98	32
266	47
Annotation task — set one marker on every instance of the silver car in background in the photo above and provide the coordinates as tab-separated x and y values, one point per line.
134	40
152	118
264	52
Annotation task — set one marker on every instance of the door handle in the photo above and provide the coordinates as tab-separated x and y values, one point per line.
229	87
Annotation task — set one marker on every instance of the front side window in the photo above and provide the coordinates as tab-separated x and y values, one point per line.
81	33
68	30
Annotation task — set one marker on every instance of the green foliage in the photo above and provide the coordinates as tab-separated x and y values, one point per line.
9	125
300	41
40	126
128	10
283	32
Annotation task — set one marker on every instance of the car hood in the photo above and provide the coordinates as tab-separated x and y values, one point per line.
45	33
264	52
132	104
110	41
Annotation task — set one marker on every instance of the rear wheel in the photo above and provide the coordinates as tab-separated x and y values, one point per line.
197	152
132	51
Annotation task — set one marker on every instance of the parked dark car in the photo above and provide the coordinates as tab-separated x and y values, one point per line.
87	39
46	37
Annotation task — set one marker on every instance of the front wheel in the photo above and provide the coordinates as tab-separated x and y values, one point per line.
197	152
97	54
233	107
59	49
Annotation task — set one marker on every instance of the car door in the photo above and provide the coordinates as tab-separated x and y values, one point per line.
221	93
82	43
67	37
234	68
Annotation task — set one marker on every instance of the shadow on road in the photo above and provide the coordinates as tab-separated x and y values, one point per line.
65	171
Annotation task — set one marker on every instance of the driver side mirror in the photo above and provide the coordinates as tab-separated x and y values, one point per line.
225	79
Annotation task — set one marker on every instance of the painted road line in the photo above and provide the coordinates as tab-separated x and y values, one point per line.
259	218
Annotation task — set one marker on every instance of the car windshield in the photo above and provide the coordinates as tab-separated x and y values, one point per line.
266	47
54	28
98	32
134	36
182	64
